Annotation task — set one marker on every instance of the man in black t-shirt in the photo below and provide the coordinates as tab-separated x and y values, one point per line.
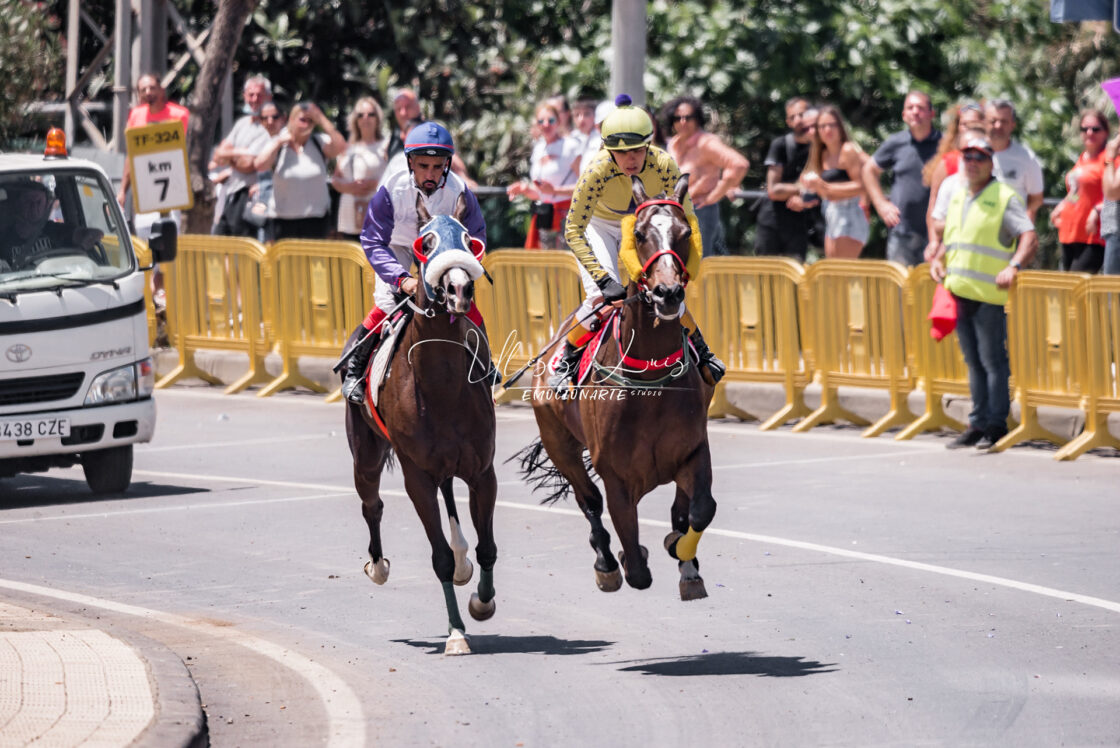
785	217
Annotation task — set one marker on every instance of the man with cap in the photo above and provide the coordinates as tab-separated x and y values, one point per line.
390	230
988	239
603	196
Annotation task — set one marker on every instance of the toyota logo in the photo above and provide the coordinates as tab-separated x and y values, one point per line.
18	353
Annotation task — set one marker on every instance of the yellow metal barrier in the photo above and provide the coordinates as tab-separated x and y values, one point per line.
215	301
937	365
853	336
320	292
1098	302
747	309
532	294
144	258
1044	340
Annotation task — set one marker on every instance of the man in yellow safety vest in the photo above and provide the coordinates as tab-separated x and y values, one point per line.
988	238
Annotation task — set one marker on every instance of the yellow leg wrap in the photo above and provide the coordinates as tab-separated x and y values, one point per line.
686	546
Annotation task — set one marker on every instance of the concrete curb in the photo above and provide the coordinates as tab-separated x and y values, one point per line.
178	720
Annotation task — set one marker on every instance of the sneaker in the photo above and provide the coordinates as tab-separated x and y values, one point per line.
969	438
990	438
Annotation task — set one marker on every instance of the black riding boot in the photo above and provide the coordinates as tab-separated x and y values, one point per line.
711	368
354	384
567	370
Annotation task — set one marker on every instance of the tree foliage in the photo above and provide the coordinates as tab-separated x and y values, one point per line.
29	53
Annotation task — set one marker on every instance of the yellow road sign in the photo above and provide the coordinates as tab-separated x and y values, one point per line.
157	156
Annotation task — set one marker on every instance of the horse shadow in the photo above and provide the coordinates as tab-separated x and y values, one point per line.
497	644
728	663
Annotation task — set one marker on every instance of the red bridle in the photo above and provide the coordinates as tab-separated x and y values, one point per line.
657	255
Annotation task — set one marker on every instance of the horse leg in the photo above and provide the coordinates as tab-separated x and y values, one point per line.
421	489
624	515
464	569
484	493
566	454
694	494
369	453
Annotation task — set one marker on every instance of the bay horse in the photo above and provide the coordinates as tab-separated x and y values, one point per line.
436	415
642	416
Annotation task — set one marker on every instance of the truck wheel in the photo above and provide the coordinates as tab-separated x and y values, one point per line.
108	470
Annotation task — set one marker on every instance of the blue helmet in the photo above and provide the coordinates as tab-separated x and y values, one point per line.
429	139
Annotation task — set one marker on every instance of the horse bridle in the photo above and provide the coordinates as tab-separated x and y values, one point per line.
643	279
438	296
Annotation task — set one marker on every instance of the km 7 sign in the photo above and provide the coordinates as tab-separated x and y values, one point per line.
157	154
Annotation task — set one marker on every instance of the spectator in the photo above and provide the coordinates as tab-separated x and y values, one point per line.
559	102
360	168
949	185
716	168
262	206
298	159
833	172
1110	211
1077	216
905	154
989	238
399	161
947	161
553	171
1014	163
595	140
583	116
785	217
239	150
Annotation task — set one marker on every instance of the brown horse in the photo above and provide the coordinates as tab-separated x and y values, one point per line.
438	410
642	416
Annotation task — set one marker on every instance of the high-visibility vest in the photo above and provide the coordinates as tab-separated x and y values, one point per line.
974	252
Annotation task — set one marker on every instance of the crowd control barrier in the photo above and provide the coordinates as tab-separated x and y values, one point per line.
1098	302
320	292
938	366
1044	337
215	301
532	294
852	312
748	312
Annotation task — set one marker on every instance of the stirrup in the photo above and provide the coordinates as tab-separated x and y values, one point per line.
567	371
354	390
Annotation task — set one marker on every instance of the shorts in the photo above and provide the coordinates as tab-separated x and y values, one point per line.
845	218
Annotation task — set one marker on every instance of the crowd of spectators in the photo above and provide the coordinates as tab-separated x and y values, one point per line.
822	188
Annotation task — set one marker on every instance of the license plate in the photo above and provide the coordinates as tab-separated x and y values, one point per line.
33	428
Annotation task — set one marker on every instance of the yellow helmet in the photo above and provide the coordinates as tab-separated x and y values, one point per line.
627	127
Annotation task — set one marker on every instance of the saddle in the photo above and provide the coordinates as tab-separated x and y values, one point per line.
378	369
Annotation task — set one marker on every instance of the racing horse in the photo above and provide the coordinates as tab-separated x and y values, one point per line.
435	413
642	415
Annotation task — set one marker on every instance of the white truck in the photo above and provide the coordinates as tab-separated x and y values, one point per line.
76	377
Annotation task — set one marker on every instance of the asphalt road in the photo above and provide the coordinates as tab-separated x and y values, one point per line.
862	592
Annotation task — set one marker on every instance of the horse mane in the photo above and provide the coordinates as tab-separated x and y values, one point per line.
538	471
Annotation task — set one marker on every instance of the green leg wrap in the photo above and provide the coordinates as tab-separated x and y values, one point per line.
454	620
486	585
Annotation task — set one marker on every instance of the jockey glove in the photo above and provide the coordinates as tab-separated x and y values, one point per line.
612	289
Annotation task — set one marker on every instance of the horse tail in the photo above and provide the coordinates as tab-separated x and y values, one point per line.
538	471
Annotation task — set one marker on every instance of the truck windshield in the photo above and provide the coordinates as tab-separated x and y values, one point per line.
60	227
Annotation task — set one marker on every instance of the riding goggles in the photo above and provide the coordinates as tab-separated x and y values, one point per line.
621	141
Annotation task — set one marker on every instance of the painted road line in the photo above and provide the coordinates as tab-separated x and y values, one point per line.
346	723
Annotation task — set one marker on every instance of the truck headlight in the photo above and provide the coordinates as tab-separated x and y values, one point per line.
113	386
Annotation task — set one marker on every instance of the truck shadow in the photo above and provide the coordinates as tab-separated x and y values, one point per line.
38	490
728	663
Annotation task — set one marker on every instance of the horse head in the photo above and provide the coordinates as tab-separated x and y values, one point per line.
662	242
449	257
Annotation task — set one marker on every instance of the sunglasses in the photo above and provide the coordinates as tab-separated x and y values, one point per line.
548	121
364	115
974	156
270	117
1093	128
683	117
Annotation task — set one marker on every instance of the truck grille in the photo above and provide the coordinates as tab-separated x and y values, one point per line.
39	389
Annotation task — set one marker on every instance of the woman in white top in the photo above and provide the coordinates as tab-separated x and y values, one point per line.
359	170
553	173
298	159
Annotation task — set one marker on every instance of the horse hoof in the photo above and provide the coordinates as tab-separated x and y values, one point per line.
671	541
693	589
463	573
457	644
609	581
479	610
378	572
622	555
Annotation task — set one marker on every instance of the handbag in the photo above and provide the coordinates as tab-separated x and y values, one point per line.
259	209
544	213
943	313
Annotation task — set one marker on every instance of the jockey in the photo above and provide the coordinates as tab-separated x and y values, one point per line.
602	197
390	230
